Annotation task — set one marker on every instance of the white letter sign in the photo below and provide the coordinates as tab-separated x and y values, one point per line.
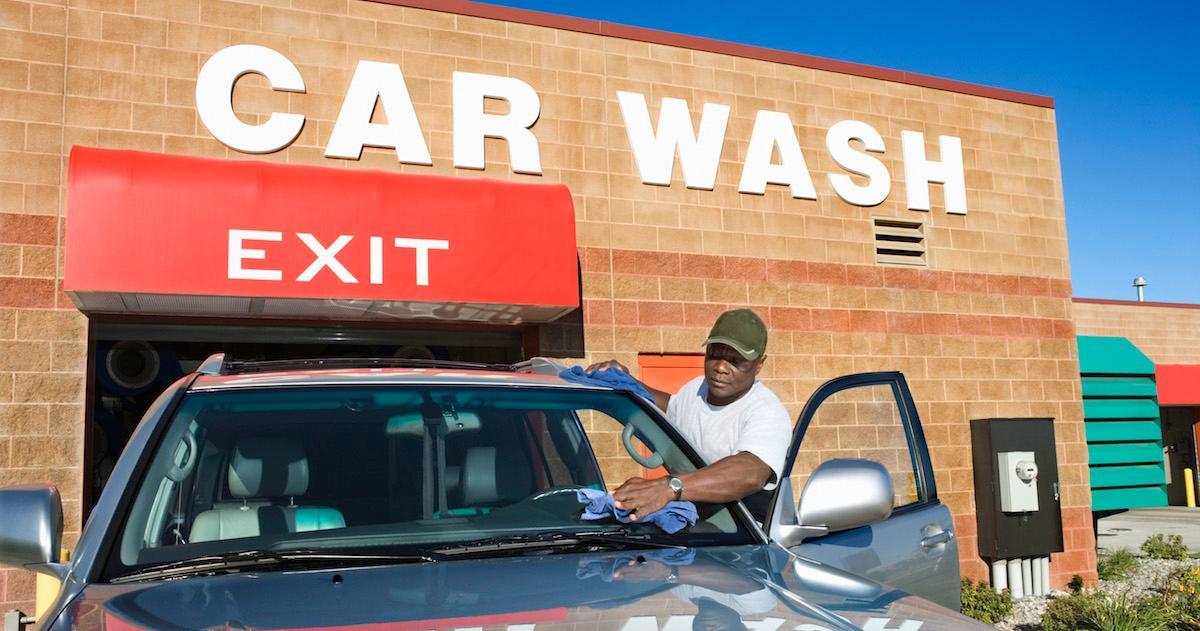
654	152
353	130
774	129
238	253
422	246
326	257
472	125
920	172
214	98
879	183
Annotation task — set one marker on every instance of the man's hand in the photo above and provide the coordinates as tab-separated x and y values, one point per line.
643	496
661	399
612	363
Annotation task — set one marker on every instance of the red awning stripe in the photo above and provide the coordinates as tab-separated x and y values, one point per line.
1178	384
152	224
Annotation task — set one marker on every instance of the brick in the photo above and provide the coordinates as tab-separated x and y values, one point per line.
235	15
742	268
28	229
24	420
26	292
660	313
787	271
701	315
827	273
702	266
636	262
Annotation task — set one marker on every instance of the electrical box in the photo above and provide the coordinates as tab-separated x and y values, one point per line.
1018	481
1017	508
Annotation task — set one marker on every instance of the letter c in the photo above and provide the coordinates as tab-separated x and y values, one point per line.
214	98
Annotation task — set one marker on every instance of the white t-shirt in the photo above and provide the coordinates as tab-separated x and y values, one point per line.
757	422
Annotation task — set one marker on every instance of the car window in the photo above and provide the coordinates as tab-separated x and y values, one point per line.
398	467
862	422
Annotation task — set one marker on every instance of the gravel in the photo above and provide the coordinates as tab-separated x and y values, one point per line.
1027	612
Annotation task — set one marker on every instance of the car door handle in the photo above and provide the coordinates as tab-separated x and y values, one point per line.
937	538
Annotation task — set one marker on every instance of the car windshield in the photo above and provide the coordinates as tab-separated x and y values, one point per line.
396	469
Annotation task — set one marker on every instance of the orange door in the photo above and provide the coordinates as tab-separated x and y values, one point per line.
667	373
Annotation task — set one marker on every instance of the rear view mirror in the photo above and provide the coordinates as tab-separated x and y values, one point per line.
841	494
31	530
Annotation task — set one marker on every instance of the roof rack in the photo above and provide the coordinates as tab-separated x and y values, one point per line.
218	364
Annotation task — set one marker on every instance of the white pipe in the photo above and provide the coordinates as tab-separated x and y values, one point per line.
1027	575
1014	578
1036	579
1046	574
1000	575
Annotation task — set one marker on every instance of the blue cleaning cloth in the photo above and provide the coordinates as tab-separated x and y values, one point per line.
607	566
609	377
672	518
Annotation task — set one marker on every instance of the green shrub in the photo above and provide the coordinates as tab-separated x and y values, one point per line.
1165	547
1097	611
1116	565
985	604
1075	584
1181	598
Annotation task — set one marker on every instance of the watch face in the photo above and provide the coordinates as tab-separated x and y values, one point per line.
676	484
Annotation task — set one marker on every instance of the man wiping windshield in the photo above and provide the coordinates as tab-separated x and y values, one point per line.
734	422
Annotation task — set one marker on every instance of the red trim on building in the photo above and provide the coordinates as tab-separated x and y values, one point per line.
651	36
1178	384
1135	303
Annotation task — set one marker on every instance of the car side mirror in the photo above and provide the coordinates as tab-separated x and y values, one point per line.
841	494
31	530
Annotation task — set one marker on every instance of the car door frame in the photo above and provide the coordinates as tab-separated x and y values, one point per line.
914	434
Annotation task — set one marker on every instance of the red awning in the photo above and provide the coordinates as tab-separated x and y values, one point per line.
163	234
1178	384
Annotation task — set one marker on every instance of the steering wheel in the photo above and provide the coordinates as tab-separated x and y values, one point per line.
553	491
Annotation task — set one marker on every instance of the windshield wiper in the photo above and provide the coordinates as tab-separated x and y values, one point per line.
554	541
249	559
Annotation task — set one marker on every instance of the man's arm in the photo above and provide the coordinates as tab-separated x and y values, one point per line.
728	479
661	399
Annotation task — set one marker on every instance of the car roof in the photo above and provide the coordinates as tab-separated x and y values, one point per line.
371	376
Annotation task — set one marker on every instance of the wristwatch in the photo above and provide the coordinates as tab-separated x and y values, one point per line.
676	485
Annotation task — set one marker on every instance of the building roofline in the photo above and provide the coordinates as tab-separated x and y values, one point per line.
639	34
1135	303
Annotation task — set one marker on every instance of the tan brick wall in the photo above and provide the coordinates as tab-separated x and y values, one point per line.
986	331
1167	334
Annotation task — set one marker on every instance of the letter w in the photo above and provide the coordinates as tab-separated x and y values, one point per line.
654	152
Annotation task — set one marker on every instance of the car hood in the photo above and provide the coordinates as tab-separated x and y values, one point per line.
751	588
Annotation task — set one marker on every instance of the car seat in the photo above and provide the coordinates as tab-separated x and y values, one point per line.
271	469
492	476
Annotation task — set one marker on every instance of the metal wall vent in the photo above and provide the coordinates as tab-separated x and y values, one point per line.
899	242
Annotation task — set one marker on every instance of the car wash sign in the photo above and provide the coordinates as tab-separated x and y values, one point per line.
152	233
853	145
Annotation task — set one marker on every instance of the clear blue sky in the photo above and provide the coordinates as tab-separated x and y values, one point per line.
1125	77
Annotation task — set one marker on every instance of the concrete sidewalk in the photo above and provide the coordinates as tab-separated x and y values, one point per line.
1130	528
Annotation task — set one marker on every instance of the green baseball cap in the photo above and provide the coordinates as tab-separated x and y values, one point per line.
742	330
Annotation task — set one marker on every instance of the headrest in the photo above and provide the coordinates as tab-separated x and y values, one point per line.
268	467
491	476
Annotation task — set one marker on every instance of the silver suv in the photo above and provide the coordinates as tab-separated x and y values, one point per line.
358	494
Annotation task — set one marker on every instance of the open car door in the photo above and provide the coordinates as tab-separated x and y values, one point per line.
872	417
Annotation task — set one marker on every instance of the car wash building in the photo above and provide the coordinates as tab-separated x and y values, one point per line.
1140	368
471	182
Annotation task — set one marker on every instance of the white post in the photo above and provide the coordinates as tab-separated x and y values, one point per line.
1046	574
1027	576
1014	578
1000	575
1036	579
